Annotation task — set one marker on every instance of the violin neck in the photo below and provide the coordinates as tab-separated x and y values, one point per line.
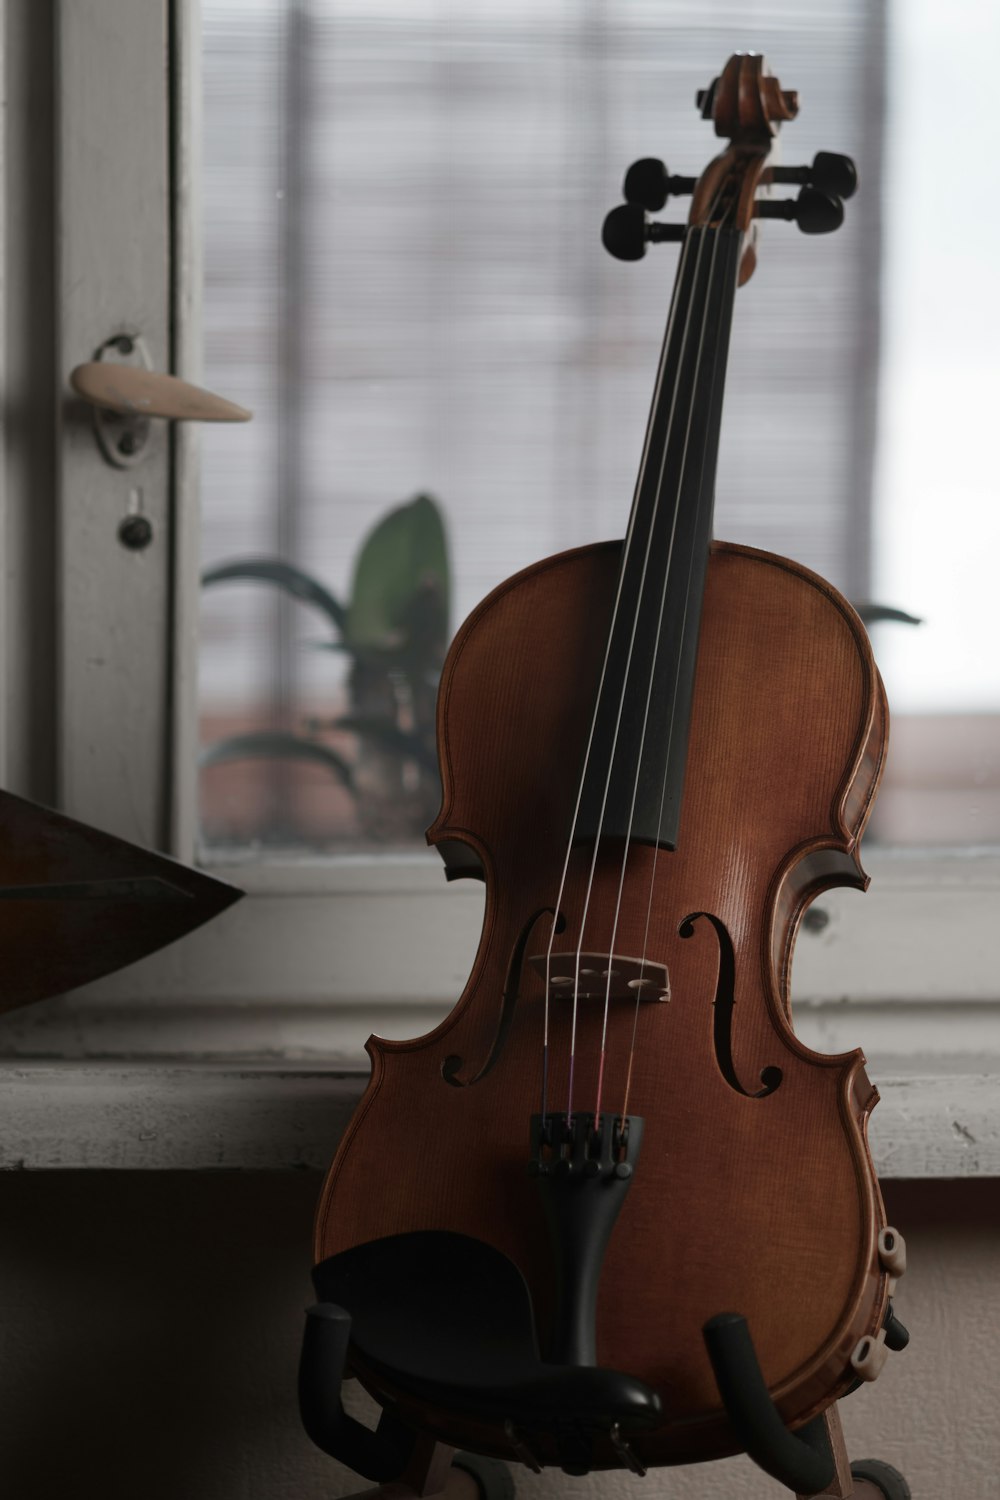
634	773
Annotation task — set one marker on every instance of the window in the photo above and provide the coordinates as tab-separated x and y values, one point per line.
383	246
402	208
937	518
305	961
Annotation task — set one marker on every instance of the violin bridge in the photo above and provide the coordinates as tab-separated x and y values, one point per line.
601	976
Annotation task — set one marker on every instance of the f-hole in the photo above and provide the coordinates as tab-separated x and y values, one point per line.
725	1000
453	1064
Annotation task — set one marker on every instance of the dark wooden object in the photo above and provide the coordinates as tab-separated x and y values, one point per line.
769	1206
76	903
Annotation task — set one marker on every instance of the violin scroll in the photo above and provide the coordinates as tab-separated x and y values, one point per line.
747	102
747	105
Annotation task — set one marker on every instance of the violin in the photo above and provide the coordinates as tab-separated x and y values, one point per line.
656	752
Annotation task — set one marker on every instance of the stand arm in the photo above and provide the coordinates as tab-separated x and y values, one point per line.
801	1460
381	1455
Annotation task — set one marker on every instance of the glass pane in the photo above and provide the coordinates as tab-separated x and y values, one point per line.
937	516
404	280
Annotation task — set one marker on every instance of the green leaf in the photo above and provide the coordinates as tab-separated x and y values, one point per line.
871	614
293	580
272	743
400	595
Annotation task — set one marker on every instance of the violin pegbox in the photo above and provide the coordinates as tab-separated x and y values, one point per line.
747	106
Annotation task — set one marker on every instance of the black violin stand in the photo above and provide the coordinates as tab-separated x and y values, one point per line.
448	1320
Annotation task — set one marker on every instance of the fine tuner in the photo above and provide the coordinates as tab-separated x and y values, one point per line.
818	208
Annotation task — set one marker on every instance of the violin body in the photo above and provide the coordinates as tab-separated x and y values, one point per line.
755	1190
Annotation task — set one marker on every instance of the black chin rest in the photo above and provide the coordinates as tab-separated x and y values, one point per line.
449	1319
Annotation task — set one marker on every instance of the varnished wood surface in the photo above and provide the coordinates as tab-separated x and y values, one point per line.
747	105
77	903
767	1207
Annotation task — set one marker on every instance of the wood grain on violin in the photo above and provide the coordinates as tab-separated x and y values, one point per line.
658	752
765	1204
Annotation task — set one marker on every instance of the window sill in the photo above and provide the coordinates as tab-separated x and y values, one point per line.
242	1047
240	1117
318	956
391	932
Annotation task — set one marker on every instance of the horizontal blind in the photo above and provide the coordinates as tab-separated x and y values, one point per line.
458	328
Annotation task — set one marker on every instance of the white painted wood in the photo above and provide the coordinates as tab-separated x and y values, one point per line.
5	295
186	74
948	1040
411	941
28	319
932	1126
370	930
307	970
145	1118
113	255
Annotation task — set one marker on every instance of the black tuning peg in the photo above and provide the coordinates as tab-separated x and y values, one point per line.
626	232
837	176
648	182
814	212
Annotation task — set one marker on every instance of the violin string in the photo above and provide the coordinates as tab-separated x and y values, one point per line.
622	696
629	537
656	860
652	670
631	644
593	723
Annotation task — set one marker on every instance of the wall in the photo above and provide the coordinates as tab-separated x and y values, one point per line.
149	1327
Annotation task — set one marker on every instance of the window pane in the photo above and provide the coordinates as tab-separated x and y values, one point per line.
938	511
404	279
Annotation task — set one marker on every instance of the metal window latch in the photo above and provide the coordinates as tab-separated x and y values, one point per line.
126	392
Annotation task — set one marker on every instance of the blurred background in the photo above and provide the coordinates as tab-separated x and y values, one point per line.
450	377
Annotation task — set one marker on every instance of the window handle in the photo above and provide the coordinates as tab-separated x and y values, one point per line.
126	392
130	390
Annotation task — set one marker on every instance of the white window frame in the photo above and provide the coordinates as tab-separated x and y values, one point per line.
319	952
113	260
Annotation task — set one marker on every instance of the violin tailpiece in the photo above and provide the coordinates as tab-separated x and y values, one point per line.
584	1166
